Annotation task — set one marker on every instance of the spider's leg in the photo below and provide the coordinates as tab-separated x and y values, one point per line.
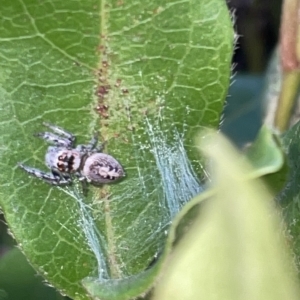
54	139
47	177
84	187
70	137
90	146
83	181
93	142
94	148
63	179
100	147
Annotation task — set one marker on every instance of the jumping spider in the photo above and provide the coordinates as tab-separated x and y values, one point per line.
85	161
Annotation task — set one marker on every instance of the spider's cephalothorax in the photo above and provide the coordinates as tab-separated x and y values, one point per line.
85	161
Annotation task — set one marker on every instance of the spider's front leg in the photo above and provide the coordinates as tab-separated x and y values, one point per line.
54	139
62	138
70	137
54	178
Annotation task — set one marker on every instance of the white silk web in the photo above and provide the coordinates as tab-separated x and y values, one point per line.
168	177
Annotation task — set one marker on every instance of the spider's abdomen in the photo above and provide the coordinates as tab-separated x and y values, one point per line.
65	160
102	168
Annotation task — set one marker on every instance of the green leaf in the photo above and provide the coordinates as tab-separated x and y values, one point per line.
289	198
236	248
3	295
125	288
147	76
264	154
19	281
268	160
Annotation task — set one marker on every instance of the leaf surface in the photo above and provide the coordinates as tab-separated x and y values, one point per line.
290	195
147	76
264	154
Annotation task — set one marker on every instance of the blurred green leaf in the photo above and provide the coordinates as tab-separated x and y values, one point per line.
147	75
3	295
18	280
126	288
289	198
265	154
236	247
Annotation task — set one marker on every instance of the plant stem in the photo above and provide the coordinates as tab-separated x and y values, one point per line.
287	98
289	44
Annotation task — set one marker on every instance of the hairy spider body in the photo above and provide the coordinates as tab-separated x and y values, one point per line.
100	165
66	161
87	162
